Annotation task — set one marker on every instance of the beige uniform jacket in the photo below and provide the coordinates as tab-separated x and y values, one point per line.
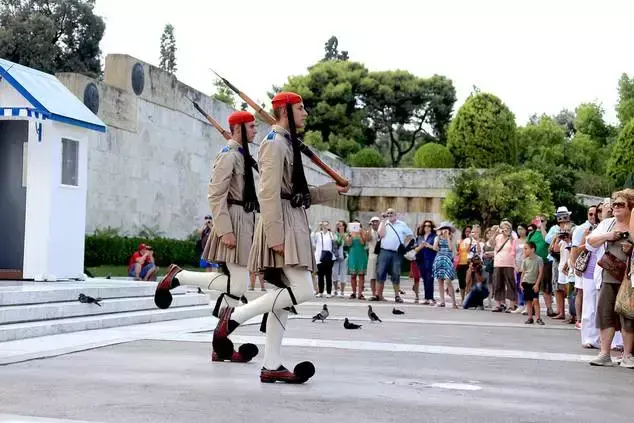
280	223
227	183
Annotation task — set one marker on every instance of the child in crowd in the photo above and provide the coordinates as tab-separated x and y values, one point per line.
532	271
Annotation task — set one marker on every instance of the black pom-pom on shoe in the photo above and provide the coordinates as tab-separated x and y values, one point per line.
304	371
162	298
248	351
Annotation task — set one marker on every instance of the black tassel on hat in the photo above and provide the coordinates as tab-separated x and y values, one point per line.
301	193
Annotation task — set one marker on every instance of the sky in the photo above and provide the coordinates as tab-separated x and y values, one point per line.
537	56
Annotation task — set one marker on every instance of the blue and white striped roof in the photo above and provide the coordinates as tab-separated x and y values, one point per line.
28	112
49	96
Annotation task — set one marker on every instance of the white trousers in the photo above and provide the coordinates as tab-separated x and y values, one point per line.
273	302
589	330
218	282
590	334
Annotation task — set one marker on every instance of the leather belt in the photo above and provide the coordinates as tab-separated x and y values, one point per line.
235	202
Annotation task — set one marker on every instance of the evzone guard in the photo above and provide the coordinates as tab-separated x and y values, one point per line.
233	202
281	247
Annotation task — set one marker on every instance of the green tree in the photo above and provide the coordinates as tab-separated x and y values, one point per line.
408	110
314	139
621	162
331	92
432	155
543	140
167	60
483	133
331	48
366	157
590	121
224	94
52	35
498	193
566	119
625	106
586	154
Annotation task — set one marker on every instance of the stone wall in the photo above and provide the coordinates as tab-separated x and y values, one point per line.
151	168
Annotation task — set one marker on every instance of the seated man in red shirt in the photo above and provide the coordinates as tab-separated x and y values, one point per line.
142	265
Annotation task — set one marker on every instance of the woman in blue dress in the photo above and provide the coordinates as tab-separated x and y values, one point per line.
425	255
443	269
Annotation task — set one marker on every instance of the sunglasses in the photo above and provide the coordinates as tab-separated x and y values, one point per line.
618	205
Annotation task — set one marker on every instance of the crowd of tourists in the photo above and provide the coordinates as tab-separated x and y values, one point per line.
581	271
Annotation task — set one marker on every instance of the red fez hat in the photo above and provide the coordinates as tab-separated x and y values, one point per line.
239	117
284	98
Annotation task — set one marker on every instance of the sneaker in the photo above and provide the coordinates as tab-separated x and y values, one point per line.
603	360
398	300
352	296
524	312
329	296
318	295
540	322
518	310
529	322
627	362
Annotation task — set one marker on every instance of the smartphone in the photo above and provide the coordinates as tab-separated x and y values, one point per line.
354	227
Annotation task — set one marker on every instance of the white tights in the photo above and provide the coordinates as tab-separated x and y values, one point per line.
274	302
218	282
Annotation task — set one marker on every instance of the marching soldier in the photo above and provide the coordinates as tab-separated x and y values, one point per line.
282	247
233	201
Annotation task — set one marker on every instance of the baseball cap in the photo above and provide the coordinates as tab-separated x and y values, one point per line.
375	219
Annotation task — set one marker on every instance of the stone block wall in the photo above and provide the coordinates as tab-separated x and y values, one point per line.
152	167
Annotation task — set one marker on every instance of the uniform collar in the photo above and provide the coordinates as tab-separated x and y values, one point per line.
282	131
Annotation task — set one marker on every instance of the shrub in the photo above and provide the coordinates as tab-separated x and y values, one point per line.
435	156
108	249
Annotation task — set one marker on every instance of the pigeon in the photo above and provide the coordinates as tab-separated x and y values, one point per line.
87	299
397	311
322	315
372	315
348	325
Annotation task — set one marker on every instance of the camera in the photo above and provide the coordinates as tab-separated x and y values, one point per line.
624	235
564	235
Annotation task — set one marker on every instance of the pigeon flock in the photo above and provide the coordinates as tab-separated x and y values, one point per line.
324	313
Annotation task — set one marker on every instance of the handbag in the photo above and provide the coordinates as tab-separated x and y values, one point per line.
581	264
625	298
611	264
325	254
377	247
410	255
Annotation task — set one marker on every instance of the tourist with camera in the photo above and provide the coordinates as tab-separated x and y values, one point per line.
612	242
477	284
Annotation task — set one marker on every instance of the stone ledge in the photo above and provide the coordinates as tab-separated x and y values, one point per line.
43	328
55	311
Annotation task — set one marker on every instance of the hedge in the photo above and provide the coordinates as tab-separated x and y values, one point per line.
116	250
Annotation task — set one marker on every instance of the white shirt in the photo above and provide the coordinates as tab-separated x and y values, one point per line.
602	228
323	242
390	240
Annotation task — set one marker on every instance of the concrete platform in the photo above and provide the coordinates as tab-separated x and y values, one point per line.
33	309
429	365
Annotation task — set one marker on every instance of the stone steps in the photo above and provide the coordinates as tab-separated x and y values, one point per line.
33	309
12	332
63	310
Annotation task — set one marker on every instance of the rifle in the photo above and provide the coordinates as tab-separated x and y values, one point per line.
340	180
220	129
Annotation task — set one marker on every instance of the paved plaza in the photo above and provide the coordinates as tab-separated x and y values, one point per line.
428	365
